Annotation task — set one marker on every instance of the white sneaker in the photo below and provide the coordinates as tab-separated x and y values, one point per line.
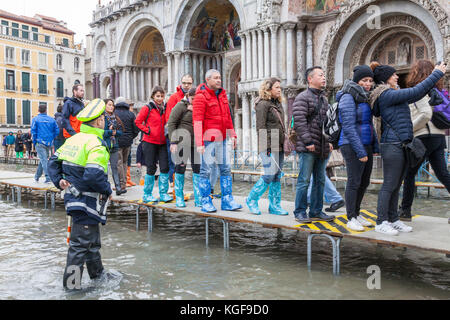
386	228
400	226
364	222
355	225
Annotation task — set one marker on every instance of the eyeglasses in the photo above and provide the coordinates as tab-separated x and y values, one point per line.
187	83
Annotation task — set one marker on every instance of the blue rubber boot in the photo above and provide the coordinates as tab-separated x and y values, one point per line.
205	190
228	203
179	194
255	194
163	184
198	200
275	200
148	189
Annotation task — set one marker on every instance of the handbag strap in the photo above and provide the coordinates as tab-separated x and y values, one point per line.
395	132
279	118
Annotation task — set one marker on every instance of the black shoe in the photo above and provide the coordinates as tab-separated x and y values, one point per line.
321	216
119	192
404	214
302	218
335	206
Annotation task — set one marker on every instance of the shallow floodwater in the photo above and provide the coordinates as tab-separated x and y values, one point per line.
173	262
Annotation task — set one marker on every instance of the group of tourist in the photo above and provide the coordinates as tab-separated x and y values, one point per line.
19	143
196	127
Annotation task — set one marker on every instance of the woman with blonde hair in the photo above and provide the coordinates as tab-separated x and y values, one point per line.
270	127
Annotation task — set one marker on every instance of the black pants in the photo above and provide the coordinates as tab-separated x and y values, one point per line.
358	179
155	154
84	247
394	171
435	146
181	160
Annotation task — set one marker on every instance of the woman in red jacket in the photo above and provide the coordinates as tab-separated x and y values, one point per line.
151	121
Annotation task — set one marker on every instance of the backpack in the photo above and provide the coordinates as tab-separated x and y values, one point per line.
333	127
441	113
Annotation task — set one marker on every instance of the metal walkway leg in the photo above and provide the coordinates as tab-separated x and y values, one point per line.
137	218
12	195
226	234
52	199
150	219
19	195
335	241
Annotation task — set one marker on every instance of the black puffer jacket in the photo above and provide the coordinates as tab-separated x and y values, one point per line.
309	112
128	118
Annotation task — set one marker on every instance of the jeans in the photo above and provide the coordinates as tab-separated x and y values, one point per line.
358	174
43	153
214	175
58	144
216	153
171	164
435	146
310	163
272	166
331	195
394	171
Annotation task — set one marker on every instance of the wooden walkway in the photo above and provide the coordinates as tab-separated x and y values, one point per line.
430	233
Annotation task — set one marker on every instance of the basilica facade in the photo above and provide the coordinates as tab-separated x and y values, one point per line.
137	44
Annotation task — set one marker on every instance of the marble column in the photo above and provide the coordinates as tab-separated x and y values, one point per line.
243	56
274	49
266	53
245	124
207	63
156	77
117	74
255	65
94	86
135	85
201	63
309	45
289	27
142	84
248	55
187	63
260	54
128	82
169	73
176	77
150	83
195	68
113	84
300	54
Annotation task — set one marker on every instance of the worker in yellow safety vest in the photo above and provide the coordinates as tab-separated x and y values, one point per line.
80	169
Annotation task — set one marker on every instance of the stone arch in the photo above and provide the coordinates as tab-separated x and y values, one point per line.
351	25
105	83
185	18
99	43
136	27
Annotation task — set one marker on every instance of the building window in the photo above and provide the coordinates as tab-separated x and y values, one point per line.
5	27
42	60
10	55
10	111
15	29
25	33
26	112
25	82
10	80
65	42
420	53
60	88
391	57
47	39
59	62
35	33
43	84
76	64
25	57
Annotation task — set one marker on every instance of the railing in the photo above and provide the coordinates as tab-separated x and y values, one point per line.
115	6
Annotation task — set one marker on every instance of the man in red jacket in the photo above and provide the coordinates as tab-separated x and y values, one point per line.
186	85
212	126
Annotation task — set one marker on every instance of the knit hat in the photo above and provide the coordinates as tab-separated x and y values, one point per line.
361	72
120	100
382	73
